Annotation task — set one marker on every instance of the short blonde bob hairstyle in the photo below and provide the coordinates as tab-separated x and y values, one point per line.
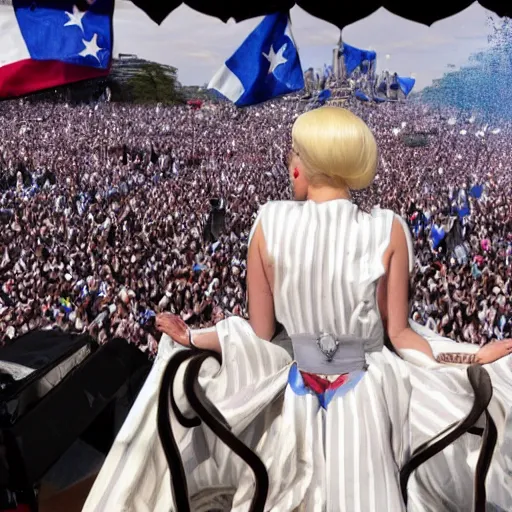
336	147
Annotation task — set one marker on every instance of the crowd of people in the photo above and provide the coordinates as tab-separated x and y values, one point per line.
105	209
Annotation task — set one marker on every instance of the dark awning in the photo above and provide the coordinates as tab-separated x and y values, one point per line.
338	12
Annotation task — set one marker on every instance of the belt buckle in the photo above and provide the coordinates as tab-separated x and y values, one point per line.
328	345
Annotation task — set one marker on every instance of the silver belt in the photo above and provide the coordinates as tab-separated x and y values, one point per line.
325	354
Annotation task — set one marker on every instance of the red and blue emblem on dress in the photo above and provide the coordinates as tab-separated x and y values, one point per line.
304	383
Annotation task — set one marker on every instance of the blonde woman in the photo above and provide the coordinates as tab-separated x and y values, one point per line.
334	425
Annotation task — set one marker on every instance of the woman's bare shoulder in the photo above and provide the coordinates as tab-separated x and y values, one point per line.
378	213
281	204
277	208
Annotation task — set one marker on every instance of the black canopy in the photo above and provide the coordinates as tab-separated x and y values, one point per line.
338	12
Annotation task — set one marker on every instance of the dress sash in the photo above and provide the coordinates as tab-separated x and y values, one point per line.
325	354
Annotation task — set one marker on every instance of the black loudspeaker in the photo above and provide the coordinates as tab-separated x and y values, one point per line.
69	386
217	203
216	222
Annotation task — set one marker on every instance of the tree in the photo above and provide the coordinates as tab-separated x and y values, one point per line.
155	83
193	92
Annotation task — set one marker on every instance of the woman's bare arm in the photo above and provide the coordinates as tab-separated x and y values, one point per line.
393	297
207	340
445	357
259	291
178	330
259	296
397	294
261	304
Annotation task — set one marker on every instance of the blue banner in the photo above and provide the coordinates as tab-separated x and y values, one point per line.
406	84
354	57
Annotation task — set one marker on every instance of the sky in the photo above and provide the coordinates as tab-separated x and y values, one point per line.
197	45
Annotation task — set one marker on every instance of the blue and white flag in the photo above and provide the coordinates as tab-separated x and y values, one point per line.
323	96
84	292
266	65
406	84
437	234
328	71
476	191
360	95
146	316
355	57
462	207
103	290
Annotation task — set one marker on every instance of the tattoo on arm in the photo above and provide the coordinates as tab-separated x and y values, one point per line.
456	358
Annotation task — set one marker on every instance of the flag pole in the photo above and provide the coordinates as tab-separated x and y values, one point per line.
289	17
341	59
194	134
193	119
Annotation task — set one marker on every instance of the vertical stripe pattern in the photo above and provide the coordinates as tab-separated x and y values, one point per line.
327	261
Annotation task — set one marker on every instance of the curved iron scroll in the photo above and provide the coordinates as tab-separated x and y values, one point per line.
489	438
208	413
482	387
219	426
172	453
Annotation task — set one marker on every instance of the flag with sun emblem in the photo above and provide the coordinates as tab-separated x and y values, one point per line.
49	43
266	65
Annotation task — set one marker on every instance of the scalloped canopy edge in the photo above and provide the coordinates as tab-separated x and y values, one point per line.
329	10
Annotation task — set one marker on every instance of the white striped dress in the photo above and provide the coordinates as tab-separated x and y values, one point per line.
327	260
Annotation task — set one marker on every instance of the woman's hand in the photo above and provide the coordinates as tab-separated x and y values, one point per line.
178	330
174	327
493	351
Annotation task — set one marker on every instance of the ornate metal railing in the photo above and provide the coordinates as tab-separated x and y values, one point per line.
206	412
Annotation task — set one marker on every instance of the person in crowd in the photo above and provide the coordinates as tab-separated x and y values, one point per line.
332	425
104	212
